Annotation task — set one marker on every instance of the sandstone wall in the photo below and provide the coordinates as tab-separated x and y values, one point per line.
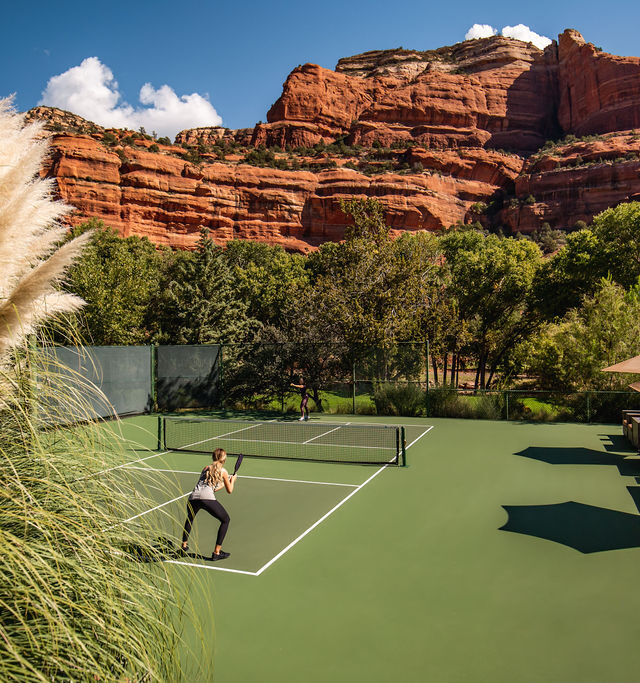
453	110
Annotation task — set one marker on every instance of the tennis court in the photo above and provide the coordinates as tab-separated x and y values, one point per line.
502	552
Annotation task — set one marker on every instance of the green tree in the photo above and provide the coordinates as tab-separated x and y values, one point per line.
492	279
361	290
610	246
266	278
197	303
117	278
604	330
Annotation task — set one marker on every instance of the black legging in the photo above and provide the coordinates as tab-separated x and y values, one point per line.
213	507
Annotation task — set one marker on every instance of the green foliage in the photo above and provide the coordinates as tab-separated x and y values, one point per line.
193	156
267	278
610	246
263	157
164	141
604	330
368	219
407	400
109	138
117	278
449	403
360	284
196	302
549	240
492	279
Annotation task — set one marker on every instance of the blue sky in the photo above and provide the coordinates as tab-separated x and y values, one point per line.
233	57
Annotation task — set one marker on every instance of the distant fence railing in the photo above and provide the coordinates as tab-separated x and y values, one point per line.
142	379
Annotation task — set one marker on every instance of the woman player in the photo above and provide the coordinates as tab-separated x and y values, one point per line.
304	399
212	478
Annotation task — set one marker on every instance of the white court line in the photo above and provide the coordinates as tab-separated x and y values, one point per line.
157	507
246	476
335	429
298	481
282	552
313	526
418	439
206	566
301	536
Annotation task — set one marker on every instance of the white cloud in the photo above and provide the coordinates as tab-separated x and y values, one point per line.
480	31
524	33
519	32
91	91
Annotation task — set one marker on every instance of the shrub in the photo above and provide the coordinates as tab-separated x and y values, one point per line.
398	399
109	138
449	403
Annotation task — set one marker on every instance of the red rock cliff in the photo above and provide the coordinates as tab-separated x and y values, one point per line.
424	132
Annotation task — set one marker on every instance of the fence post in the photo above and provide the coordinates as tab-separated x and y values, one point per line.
353	386
588	407
507	403
221	375
154	378
426	356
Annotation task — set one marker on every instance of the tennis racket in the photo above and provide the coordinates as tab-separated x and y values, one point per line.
238	463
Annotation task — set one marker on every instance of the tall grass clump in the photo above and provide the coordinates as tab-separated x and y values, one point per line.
83	596
399	399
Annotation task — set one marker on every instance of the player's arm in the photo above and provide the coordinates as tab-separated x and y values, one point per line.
228	481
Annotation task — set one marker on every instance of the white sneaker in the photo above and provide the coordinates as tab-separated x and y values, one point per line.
301	419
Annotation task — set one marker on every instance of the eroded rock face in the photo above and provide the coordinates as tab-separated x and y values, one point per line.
168	199
495	92
599	92
446	116
576	181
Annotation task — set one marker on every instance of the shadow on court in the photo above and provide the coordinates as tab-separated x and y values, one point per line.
161	549
582	456
586	528
617	443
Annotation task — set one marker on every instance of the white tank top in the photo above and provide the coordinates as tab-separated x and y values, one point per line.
202	490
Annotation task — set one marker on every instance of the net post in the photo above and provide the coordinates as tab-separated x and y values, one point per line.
353	385
160	448
403	447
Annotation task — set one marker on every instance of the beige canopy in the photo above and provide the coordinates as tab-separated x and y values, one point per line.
632	366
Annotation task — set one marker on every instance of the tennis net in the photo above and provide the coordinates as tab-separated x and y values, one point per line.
323	442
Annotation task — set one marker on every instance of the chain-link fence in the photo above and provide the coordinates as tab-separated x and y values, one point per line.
396	380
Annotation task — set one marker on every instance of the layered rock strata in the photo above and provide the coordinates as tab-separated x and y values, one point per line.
462	130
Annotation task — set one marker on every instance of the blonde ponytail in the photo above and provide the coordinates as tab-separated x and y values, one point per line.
214	471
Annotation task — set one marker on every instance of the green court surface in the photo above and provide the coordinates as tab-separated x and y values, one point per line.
504	552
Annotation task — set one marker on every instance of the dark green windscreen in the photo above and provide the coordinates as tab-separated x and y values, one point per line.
78	383
188	377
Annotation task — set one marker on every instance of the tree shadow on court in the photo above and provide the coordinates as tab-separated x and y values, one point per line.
586	528
628	467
